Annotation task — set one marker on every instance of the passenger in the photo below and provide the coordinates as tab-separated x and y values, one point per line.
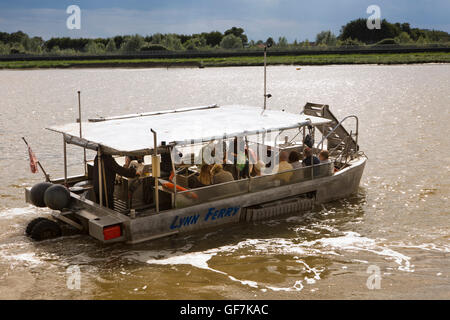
245	161
127	162
227	166
250	161
166	164
282	166
129	159
323	156
238	157
308	156
294	159
203	179
257	169
111	169
219	175
231	168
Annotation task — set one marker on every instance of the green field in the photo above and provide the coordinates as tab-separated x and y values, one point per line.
319	59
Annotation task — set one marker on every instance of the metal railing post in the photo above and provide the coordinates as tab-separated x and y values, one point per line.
337	126
100	176
65	160
174	179
81	132
155	152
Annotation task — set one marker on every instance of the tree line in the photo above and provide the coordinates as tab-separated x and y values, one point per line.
354	33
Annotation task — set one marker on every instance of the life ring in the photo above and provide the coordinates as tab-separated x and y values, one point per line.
170	186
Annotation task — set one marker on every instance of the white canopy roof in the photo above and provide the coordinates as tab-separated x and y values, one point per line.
130	134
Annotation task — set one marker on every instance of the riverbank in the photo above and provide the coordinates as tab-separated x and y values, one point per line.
323	59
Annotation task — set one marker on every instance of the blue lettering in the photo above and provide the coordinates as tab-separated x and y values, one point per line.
172	226
194	219
236	210
228	213
221	213
187	221
210	212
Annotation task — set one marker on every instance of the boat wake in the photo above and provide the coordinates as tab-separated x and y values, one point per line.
288	264
294	252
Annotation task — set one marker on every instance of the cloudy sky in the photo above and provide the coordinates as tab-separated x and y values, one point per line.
295	19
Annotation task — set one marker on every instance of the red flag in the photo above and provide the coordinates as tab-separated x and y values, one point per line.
33	161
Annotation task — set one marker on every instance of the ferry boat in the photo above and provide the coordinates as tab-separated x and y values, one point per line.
172	146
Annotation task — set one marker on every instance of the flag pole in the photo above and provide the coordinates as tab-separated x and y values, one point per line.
47	177
266	96
81	132
265	77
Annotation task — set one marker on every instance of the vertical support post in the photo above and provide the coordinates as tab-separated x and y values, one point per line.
174	179
100	176
81	131
249	173
265	77
323	134
304	134
65	160
155	149
312	153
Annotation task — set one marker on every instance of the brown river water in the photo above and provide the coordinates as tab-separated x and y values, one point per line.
398	223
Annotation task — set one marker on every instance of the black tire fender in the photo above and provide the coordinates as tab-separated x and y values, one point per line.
45	229
32	223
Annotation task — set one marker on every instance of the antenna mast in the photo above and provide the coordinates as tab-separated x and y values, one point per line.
267	45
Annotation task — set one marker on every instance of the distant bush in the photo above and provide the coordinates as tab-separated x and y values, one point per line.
171	42
4	48
17	48
357	29
403	38
385	42
231	42
93	47
132	43
282	42
154	47
349	42
326	37
111	46
196	43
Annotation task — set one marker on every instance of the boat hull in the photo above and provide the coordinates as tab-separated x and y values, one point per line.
232	210
288	199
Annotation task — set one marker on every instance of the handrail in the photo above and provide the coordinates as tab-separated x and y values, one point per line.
272	174
337	126
337	146
250	185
